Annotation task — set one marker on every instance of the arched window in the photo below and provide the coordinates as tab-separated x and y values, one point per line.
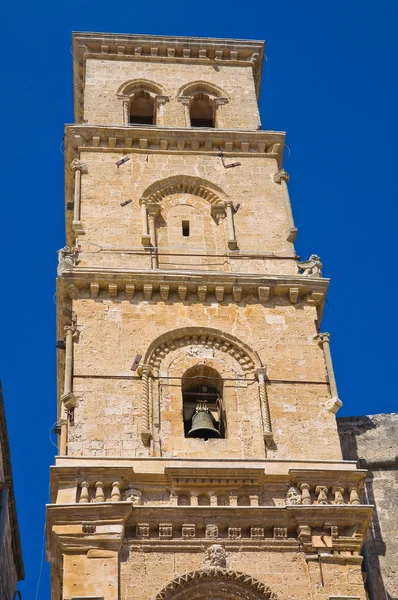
142	108
203	412
201	110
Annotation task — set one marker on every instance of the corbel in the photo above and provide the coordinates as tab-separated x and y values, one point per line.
237	293
263	294
293	294
218	212
182	292
94	290
164	292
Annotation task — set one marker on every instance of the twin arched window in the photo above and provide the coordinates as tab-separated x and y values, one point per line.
143	103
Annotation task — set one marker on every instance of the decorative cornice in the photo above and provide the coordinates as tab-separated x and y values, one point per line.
187	286
166	140
164	49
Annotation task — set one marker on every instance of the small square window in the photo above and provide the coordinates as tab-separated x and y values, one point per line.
185	228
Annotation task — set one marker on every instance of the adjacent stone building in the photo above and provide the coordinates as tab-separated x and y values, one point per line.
198	448
373	441
11	564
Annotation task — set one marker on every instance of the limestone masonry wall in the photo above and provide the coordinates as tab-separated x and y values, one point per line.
104	78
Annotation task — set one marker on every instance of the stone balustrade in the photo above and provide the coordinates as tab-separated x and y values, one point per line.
299	494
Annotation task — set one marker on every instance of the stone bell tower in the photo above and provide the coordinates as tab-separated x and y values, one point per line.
198	448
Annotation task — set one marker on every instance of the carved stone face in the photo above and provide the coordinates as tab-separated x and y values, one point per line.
216	556
133	495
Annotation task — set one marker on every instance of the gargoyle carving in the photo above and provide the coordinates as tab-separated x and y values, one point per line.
311	267
66	259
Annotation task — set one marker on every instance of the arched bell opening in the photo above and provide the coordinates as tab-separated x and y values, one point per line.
142	109
202	399
201	111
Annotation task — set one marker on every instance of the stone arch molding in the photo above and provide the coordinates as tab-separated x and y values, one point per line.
202	86
207	582
183	185
128	87
193	336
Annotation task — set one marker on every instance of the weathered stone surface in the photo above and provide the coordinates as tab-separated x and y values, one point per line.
186	304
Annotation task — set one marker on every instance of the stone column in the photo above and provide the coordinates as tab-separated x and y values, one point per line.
79	168
186	101
126	112
68	399
323	340
145	237
152	212
232	243
282	177
261	374
145	371
160	103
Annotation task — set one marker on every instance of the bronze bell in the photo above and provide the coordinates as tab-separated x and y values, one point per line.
203	423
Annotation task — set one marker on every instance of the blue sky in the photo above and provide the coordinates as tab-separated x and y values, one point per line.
329	81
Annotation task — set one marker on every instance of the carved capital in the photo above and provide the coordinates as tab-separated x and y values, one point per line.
218	212
185	100
162	99
220	101
69	400
321	338
145	370
334	404
281	175
78	165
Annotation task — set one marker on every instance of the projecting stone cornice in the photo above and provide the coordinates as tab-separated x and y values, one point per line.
166	140
163	528
164	49
203	286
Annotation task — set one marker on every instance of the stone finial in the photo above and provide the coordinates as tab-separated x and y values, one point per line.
215	556
311	267
293	497
66	259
